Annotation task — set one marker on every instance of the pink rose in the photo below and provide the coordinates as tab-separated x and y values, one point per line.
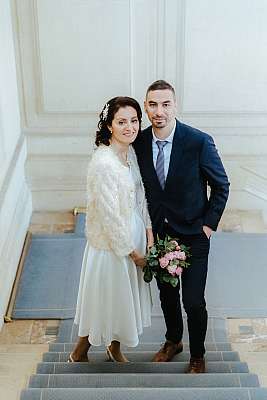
179	271
182	256
169	256
172	269
163	262
178	247
176	255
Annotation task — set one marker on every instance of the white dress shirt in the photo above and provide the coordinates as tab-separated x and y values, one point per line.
166	149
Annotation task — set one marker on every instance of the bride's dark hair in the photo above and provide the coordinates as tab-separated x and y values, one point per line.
106	116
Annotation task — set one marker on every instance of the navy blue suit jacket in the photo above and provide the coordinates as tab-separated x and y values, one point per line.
194	165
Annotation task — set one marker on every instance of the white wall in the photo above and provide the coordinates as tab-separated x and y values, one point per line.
76	54
15	199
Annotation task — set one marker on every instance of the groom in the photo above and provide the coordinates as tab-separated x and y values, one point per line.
178	163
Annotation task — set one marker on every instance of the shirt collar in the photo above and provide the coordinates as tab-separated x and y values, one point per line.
168	139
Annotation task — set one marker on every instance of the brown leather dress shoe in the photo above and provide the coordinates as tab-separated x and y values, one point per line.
196	366
168	351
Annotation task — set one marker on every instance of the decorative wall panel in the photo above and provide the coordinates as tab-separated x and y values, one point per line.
73	55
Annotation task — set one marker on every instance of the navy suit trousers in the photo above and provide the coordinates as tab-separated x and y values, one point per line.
192	283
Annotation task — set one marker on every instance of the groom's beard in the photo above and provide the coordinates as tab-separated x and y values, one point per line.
162	122
159	122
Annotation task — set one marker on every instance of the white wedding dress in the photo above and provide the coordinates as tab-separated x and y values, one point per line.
114	302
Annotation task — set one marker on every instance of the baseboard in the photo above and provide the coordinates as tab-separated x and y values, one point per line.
15	214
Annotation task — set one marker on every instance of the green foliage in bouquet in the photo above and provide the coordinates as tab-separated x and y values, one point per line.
166	261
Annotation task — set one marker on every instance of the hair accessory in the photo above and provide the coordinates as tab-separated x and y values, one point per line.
105	111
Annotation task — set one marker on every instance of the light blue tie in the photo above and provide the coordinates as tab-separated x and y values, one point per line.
160	163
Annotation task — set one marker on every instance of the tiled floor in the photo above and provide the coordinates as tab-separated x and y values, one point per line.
249	338
29	332
23	342
232	221
52	222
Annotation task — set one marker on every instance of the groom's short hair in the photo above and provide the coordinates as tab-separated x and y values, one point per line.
160	85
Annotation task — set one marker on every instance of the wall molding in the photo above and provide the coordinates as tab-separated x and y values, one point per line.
53	185
37	118
39	72
15	214
23	203
85	157
2	147
225	119
234	131
12	167
11	250
31	72
210	114
59	142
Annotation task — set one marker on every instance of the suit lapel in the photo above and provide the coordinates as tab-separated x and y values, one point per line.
176	154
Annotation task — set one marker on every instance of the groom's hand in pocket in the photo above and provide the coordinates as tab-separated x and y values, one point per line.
207	230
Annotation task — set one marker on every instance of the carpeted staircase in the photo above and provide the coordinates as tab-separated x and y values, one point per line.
226	379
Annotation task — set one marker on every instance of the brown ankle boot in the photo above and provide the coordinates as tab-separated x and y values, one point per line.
168	351
196	366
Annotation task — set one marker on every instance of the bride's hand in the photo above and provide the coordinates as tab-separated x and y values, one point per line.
138	258
150	238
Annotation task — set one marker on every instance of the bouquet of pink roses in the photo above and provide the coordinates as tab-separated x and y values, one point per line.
166	261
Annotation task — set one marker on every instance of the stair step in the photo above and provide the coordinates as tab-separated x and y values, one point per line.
210	346
226	378
146	394
139	367
145	356
143	380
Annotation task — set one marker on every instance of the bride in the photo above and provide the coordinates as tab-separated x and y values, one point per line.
114	302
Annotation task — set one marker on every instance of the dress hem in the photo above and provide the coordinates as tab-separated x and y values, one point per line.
124	342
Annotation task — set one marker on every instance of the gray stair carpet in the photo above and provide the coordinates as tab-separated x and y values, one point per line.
57	258
227	378
51	269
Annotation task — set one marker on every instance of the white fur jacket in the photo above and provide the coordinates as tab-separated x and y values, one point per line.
110	201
